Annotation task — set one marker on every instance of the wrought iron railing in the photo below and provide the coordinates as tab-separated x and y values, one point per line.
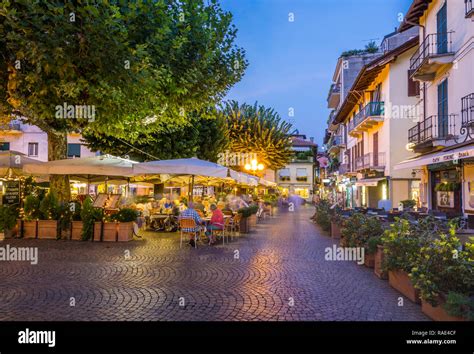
370	110
370	161
434	44
432	128
467	110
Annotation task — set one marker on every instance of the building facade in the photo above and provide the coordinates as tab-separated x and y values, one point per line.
297	178
33	142
365	144
443	122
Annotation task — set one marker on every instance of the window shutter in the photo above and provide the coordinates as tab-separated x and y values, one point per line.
413	86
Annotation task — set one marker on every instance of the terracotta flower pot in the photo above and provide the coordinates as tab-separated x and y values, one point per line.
399	280
76	230
48	229
29	228
369	260
244	225
335	230
438	313
109	231
125	231
252	221
379	255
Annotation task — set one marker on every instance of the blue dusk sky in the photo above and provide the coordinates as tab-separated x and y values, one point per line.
291	63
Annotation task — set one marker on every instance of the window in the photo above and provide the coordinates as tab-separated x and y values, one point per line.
285	174
73	150
4	146
413	86
301	175
33	149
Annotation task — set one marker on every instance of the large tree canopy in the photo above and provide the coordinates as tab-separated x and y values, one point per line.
205	137
137	66
260	130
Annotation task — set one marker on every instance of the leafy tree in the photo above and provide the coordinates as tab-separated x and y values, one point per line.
260	130
135	66
205	137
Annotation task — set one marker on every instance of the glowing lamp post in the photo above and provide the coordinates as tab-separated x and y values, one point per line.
254	166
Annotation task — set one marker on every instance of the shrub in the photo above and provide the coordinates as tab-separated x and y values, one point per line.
8	217
248	211
89	216
460	305
358	229
442	267
323	214
125	215
408	203
31	208
372	244
402	243
49	207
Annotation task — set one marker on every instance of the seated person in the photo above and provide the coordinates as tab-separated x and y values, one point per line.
216	223
198	204
190	213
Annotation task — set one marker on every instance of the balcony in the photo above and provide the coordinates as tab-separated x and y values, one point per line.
335	144
369	116
303	157
370	161
11	128
467	111
434	53
334	95
469	8
431	132
331	125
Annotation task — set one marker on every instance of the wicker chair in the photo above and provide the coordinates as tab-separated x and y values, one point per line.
187	223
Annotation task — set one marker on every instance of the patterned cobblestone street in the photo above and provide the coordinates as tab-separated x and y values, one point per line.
280	274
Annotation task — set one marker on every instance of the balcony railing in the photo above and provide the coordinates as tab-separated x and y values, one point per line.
370	161
433	128
334	95
10	126
467	111
469	8
434	44
372	109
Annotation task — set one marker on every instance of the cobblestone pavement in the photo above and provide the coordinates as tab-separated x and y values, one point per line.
280	274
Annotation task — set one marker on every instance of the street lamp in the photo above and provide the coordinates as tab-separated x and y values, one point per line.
254	166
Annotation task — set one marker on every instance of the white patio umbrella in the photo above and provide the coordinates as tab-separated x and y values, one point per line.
191	166
105	165
12	163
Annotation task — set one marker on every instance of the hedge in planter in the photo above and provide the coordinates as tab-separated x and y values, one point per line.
441	269
89	216
323	214
49	215
8	217
125	217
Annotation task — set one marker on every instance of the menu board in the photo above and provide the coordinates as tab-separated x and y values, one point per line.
12	192
100	200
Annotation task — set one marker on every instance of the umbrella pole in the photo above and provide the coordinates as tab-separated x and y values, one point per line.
191	188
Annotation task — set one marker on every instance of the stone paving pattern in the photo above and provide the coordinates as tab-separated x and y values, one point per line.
281	261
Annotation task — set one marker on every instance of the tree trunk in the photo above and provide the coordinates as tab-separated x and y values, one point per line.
57	150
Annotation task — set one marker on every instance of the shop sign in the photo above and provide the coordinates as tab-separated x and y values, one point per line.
12	192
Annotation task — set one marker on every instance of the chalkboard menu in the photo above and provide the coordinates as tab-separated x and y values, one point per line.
12	192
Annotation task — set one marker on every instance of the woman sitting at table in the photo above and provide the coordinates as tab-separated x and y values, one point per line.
216	223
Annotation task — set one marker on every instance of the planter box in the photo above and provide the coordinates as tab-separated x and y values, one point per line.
244	225
29	228
400	281
125	231
110	231
369	260
252	221
76	230
379	255
335	230
438	313
48	229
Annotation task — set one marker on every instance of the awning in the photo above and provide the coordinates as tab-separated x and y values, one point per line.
439	157
369	182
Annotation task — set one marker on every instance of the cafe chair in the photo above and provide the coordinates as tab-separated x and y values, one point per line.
187	223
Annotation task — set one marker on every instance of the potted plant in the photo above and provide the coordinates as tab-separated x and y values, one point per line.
48	223
408	204
247	213
76	222
370	250
378	261
336	224
443	268
125	218
89	216
28	226
323	214
402	243
8	217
